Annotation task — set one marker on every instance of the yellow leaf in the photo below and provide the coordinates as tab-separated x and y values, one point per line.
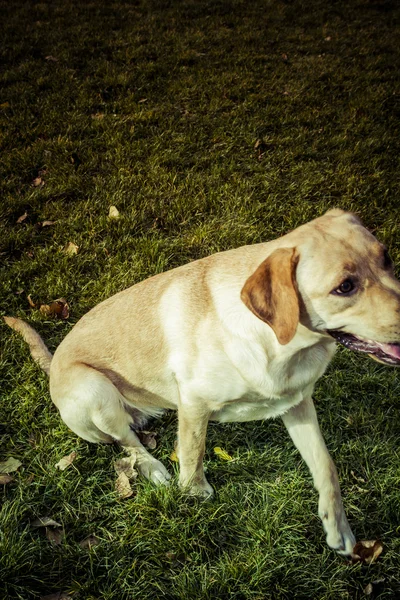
113	213
223	455
173	456
71	249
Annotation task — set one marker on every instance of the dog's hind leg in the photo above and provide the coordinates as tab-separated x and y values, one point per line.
91	405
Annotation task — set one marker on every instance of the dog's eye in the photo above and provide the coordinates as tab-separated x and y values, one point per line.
345	288
387	261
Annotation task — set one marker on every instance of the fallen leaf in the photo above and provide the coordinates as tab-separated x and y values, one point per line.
4	479
123	487
223	455
173	456
98	116
51	58
71	249
368	589
367	551
66	461
32	304
58	308
47	223
113	213
125	465
4	105
328	38
142	100
90	541
38	182
45	522
54	536
22	218
10	465
148	439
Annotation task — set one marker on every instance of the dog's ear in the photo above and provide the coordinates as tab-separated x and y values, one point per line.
271	293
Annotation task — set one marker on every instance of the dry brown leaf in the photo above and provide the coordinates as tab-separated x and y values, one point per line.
368	589
4	105
90	541
38	182
4	479
125	465
32	304
66	461
45	522
54	536
47	223
71	249
123	487
22	218
58	308
10	465
51	58
113	213
148	439
367	551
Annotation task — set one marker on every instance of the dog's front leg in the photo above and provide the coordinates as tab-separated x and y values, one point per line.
192	429
302	425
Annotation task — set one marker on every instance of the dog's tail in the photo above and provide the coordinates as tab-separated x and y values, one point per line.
39	350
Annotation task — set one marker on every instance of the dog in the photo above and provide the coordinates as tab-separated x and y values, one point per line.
240	335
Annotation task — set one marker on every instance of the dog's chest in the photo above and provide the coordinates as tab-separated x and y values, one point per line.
270	390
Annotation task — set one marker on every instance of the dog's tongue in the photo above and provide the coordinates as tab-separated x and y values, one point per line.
390	349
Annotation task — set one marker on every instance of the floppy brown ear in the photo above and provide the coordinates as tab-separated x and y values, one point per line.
271	293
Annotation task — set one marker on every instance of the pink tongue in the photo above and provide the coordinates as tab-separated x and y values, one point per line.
391	349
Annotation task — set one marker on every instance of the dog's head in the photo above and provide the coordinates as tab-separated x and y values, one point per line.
334	277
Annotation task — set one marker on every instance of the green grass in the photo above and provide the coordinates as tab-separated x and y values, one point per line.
156	107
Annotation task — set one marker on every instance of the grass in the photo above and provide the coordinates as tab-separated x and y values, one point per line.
209	124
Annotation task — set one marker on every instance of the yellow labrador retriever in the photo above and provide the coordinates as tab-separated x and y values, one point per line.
237	336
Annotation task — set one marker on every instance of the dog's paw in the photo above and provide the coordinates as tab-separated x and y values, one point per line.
151	468
339	536
200	489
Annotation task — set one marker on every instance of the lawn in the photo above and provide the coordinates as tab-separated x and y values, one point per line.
208	124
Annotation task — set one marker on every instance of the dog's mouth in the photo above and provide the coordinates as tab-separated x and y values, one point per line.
385	353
